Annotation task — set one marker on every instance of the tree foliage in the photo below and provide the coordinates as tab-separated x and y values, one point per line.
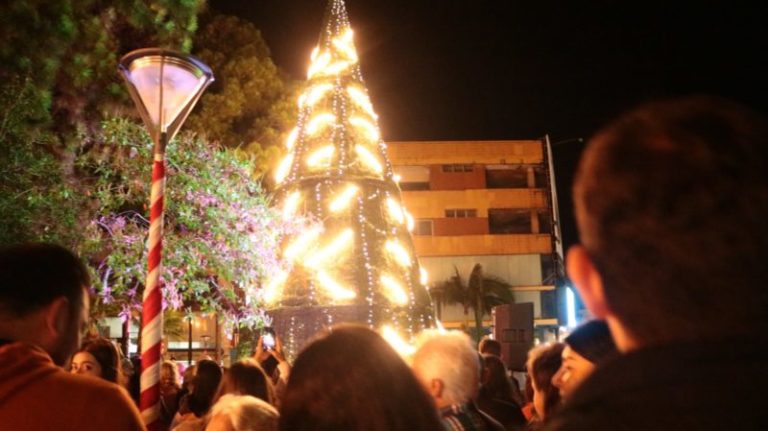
220	234
251	105
479	293
75	163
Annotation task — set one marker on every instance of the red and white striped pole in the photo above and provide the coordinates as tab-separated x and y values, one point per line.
152	310
150	73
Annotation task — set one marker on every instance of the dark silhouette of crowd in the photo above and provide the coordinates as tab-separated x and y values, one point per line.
671	204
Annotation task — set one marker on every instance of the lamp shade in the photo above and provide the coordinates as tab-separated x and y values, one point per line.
165	85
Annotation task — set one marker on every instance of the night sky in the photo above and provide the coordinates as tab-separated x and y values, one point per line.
513	69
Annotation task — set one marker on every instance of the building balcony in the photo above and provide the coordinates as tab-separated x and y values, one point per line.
463	245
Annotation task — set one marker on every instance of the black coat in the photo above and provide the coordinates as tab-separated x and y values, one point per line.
700	386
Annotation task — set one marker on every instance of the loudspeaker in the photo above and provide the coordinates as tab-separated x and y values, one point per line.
513	328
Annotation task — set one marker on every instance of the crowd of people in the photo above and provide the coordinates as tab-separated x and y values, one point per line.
671	204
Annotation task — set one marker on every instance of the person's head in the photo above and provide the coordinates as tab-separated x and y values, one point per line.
489	346
242	413
247	378
586	347
43	298
543	363
448	366
98	357
494	381
206	382
671	202
169	374
188	380
351	379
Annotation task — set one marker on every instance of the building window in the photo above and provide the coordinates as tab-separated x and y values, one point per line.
423	227
414	185
458	168
506	221
510	177
461	213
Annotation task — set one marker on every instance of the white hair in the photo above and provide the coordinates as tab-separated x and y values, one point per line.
244	413
450	357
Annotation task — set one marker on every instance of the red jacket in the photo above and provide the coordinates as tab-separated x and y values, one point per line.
35	394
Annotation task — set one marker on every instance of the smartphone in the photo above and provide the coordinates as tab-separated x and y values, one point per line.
268	338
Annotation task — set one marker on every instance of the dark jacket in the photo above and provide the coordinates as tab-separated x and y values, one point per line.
697	386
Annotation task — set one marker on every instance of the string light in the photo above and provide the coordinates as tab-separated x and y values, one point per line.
319	120
336	68
395	290
396	341
361	100
344	44
291	204
397	251
370	129
342	201
299	245
341	242
396	178
273	287
368	159
316	93
291	140
409	222
321	156
318	64
423	276
336	290
284	168
395	211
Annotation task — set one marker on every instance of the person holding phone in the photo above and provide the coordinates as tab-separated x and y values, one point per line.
269	354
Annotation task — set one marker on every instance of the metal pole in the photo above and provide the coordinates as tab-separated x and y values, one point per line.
152	313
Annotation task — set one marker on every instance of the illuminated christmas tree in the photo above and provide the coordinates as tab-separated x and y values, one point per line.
357	264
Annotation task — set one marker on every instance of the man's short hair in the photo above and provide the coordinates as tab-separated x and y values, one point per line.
592	340
34	275
672	207
490	346
448	356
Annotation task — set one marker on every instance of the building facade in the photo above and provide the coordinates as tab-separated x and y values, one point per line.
486	202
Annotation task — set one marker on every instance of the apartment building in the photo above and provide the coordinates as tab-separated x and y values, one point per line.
486	202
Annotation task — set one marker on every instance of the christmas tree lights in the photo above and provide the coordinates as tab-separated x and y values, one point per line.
357	263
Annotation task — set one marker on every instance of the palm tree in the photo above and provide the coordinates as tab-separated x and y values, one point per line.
480	293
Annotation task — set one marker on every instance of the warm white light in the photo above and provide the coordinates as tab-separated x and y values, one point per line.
362	100
396	341
395	210
316	93
291	140
409	222
370	129
336	68
314	53
300	245
344	44
336	290
344	198
273	287
321	156
423	276
395	291
399	252
318	64
291	204
368	159
284	168
319	120
396	178
342	242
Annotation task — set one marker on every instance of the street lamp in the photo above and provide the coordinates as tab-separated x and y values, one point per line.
164	85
